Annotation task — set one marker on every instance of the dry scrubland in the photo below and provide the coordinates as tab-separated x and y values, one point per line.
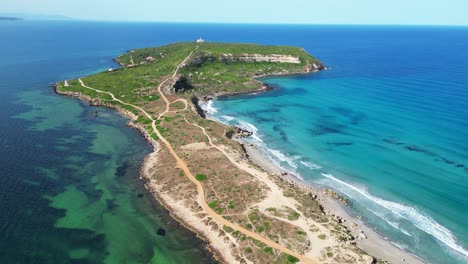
234	188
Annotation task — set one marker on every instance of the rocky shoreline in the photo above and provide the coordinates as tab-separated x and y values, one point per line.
149	160
367	239
332	203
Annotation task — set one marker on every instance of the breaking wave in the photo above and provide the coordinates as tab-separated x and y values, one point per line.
390	212
311	165
400	211
209	108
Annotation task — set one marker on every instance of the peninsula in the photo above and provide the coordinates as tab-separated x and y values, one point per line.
199	169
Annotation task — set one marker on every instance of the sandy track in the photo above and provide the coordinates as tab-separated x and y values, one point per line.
183	166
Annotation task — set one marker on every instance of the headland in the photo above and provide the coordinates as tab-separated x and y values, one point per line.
247	210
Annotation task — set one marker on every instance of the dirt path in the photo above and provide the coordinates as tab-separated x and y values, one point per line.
183	166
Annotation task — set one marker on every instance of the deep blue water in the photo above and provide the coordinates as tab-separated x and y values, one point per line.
386	126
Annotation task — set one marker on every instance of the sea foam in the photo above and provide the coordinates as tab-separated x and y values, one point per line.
209	108
418	219
311	165
388	208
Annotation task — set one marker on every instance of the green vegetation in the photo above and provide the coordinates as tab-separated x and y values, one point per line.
212	68
260	229
300	232
227	229
200	176
268	250
170	118
207	72
213	73
293	216
213	204
291	259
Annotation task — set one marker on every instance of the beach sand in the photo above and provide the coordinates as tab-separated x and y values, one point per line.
375	244
260	167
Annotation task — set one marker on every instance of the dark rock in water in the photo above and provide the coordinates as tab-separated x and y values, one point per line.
242	132
392	141
339	144
416	149
140	195
282	132
323	129
111	204
161	232
448	161
122	169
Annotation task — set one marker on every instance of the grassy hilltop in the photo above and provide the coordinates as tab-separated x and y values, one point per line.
205	74
200	167
213	68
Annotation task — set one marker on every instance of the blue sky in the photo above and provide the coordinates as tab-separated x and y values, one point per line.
421	12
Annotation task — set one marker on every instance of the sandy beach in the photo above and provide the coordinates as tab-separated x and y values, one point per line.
374	244
259	166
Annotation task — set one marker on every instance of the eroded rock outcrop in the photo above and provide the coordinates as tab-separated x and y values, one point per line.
260	58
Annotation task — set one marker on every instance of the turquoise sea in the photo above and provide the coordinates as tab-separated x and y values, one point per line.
386	126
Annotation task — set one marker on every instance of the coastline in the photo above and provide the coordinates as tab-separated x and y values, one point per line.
374	243
268	175
149	161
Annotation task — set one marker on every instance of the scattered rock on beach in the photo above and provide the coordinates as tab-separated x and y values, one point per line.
362	235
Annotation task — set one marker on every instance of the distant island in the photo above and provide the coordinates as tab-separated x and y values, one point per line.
10	18
33	17
204	172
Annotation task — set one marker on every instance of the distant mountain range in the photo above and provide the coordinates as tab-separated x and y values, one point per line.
19	16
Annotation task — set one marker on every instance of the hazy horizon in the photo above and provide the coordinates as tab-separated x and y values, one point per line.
60	17
333	12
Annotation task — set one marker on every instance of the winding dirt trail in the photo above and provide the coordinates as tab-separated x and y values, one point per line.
183	166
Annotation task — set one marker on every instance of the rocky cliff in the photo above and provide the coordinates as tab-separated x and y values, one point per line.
260	58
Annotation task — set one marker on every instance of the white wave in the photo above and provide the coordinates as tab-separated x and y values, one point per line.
392	223
227	118
249	127
418	219
209	108
311	165
405	232
280	156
